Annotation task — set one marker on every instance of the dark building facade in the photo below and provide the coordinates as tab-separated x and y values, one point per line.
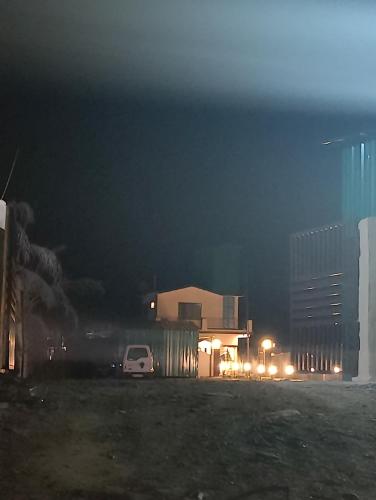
316	298
324	275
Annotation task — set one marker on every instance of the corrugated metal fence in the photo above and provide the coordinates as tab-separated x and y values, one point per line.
175	350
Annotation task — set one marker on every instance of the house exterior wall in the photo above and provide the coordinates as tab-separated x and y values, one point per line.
218	322
204	360
227	339
212	303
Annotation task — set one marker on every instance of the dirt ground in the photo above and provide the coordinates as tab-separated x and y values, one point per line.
187	439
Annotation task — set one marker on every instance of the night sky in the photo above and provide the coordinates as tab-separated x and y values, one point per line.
131	179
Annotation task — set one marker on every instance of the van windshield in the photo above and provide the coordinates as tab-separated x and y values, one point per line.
136	353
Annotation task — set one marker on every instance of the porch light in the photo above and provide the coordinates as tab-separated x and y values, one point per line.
205	346
216	344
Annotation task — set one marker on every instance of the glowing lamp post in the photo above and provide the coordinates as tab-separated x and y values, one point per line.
266	345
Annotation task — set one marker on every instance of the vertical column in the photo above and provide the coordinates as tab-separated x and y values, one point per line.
4	258
367	300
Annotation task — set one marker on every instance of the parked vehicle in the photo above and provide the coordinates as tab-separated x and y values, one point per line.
138	361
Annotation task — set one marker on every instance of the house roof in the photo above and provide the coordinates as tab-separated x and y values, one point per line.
197	288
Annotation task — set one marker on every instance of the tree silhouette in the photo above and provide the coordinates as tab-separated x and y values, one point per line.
48	316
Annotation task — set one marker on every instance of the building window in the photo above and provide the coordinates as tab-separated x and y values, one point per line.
152	304
189	310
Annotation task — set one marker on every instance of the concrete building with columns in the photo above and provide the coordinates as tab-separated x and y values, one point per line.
332	275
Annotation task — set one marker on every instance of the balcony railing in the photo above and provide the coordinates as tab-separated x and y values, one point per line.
206	324
220	323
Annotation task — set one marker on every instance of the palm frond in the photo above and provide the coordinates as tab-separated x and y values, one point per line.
44	262
37	293
22	246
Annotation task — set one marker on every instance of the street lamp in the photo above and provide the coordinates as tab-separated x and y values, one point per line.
266	344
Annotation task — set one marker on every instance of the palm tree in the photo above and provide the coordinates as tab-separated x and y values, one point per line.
45	315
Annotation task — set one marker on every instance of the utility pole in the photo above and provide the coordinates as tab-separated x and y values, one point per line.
249	335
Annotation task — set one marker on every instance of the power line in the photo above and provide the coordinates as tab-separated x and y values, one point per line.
11	172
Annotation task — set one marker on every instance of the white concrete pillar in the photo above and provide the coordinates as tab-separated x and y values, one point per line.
367	300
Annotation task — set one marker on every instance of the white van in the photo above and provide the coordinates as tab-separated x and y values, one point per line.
138	361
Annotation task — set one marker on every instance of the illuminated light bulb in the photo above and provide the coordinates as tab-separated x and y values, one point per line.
272	370
260	369
266	344
289	370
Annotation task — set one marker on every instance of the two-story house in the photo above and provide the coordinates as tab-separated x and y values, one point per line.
216	316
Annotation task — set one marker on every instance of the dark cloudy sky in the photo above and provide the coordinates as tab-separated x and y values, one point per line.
150	127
